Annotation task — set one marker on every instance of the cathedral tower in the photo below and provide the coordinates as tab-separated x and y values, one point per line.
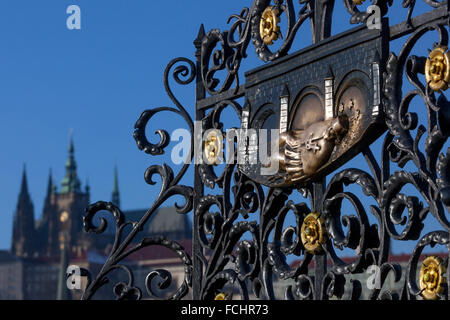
65	209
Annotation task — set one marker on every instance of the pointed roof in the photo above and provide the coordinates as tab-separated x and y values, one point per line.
285	91
23	223
49	184
24	200
329	74
24	184
71	183
51	189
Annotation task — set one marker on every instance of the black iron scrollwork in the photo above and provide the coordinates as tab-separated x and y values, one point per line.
241	232
123	244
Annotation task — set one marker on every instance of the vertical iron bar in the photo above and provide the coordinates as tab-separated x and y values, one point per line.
198	185
321	26
321	30
320	268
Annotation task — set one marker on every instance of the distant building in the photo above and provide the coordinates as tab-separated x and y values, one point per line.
11	277
33	267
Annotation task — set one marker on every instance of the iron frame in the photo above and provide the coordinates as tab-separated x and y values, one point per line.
244	205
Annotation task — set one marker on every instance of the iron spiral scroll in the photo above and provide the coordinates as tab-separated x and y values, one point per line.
183	72
241	236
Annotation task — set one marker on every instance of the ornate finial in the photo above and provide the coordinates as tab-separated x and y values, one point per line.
268	27
432	277
199	39
437	71
313	233
200	35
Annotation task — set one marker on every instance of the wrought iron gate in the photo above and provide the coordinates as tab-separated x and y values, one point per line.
329	102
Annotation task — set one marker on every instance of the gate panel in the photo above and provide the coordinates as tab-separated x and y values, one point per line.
327	103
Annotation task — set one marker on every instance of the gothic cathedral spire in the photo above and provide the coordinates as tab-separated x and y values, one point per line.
23	228
50	187
71	183
48	202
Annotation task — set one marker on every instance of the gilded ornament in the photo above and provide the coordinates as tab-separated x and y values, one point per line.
213	147
437	71
432	278
313	233
223	296
269	29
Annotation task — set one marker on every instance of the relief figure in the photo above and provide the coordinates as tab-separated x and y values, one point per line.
303	152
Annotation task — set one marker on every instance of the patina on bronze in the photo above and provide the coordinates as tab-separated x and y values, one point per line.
303	152
325	104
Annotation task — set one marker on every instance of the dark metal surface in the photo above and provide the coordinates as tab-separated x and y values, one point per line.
240	237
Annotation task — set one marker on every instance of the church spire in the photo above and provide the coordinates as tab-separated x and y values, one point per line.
24	184
71	183
115	195
23	227
48	197
49	185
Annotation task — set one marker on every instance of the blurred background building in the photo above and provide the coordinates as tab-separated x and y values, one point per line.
41	250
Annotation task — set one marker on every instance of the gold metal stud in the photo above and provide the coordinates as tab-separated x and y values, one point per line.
269	29
432	277
437	71
213	147
358	2
313	233
223	296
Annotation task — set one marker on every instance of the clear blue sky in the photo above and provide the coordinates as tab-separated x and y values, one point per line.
96	80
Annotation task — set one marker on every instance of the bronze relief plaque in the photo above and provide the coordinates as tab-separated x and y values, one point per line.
323	104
